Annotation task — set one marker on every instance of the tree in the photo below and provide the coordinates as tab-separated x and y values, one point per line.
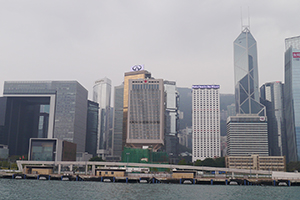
96	158
293	166
211	162
182	162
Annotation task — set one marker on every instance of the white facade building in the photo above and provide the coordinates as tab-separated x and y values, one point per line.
205	122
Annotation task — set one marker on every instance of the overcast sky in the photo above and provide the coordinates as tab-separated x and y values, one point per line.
187	41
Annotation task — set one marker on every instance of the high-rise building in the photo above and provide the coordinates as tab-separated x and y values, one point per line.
292	97
102	95
206	122
171	120
250	121
246	75
92	128
43	109
145	124
118	121
137	72
231	111
185	107
247	135
272	97
171	105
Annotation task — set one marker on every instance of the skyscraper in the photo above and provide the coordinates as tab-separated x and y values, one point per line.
137	72
247	135
272	97
292	97
102	95
118	121
29	103
171	119
145	124
246	75
250	121
92	128
171	104
206	122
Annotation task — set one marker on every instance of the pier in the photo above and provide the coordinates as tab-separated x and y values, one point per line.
182	174
142	179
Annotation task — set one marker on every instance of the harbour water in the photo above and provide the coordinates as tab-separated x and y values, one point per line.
38	189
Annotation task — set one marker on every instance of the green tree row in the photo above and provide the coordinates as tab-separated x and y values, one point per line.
208	162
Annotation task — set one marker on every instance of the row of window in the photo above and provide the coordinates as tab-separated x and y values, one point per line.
145	86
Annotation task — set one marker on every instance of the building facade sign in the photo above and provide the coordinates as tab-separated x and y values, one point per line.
137	68
205	86
296	54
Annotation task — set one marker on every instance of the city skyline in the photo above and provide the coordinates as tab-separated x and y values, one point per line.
107	37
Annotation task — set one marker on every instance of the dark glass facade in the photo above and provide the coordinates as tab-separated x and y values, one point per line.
118	121
42	150
272	98
21	119
62	102
51	150
92	128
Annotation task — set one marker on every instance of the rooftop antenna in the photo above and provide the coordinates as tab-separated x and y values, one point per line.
241	19
248	18
245	27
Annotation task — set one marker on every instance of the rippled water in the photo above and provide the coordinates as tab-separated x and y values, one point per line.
37	189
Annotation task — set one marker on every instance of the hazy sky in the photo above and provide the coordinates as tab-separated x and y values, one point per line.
187	41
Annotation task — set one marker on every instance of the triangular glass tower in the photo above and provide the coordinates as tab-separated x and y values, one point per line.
246	75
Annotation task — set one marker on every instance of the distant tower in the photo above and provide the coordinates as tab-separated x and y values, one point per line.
247	131
102	95
292	97
118	121
206	122
92	127
171	119
272	97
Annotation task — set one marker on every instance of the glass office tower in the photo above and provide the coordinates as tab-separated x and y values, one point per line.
171	120
292	97
102	95
45	109
272	97
246	75
118	121
92	127
247	131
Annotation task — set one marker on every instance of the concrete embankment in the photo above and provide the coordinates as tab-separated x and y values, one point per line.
152	180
